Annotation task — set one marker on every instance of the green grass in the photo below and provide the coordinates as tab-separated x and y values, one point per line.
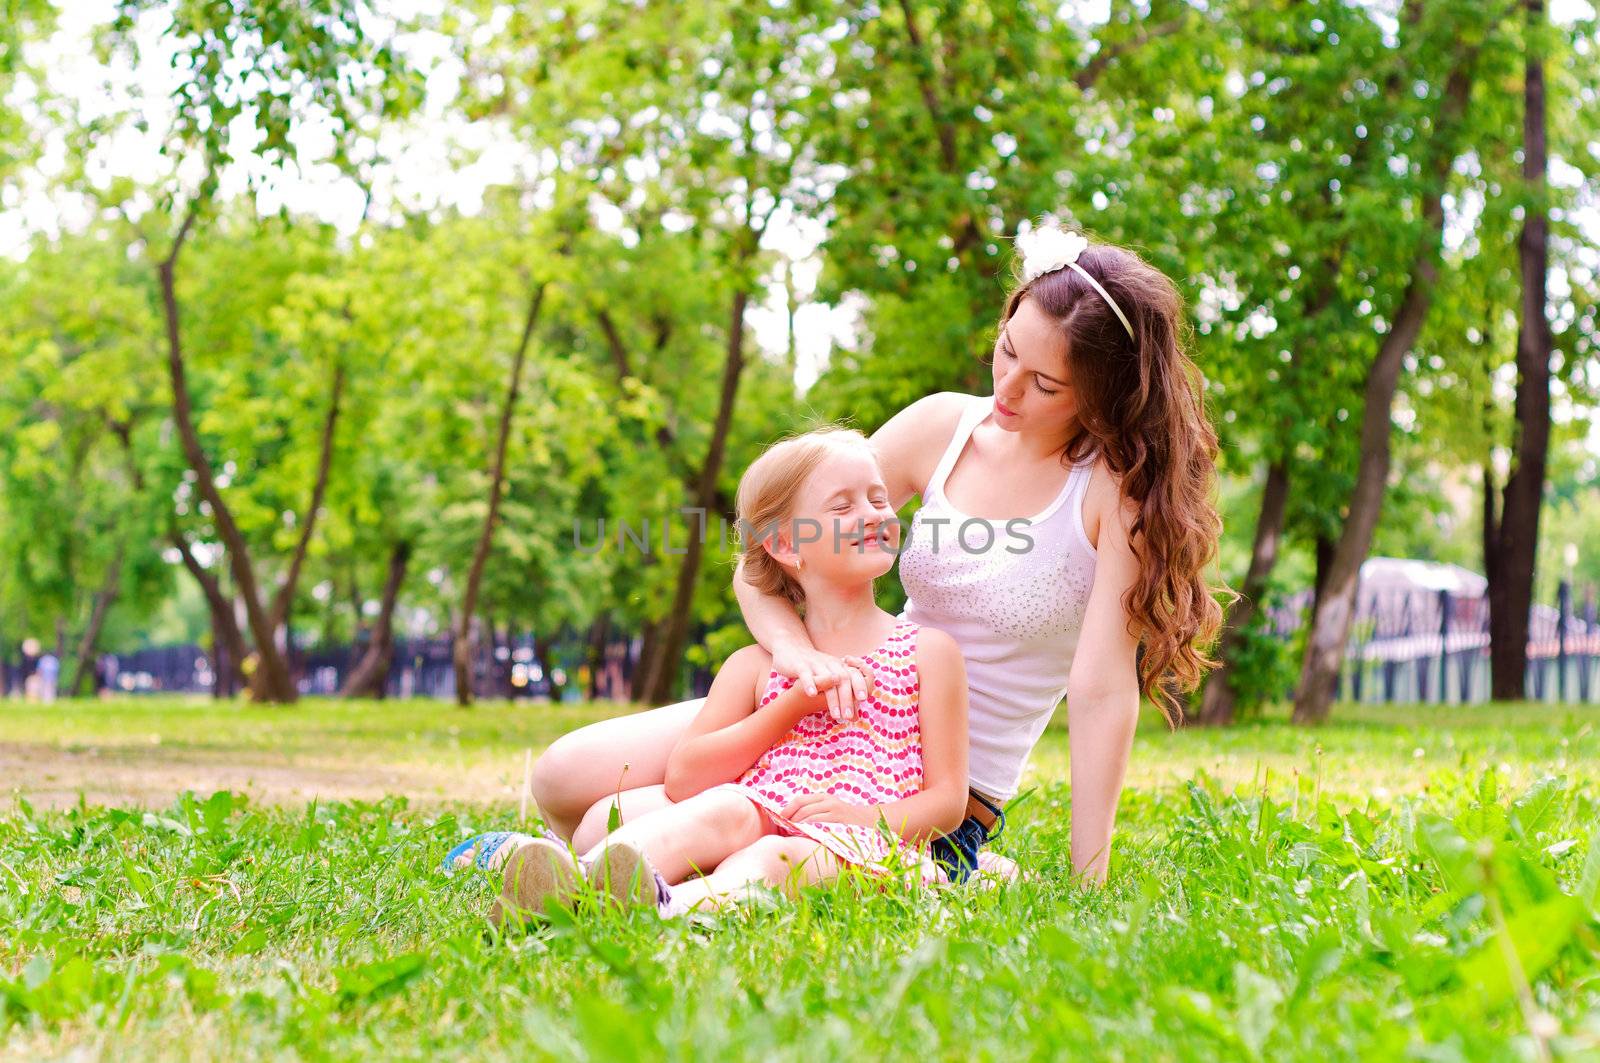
1405	883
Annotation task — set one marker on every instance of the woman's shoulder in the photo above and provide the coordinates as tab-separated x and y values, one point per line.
910	443
928	416
944	406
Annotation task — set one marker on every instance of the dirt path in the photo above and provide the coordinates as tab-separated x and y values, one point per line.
50	776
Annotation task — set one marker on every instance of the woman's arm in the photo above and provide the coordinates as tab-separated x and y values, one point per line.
938	807
730	732
1103	698
777	627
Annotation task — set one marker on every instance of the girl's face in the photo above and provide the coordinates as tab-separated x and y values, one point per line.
1032	384
843	528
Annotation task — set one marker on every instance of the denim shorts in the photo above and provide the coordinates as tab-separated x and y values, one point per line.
957	852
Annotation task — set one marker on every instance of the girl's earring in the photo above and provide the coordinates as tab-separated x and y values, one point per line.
799	563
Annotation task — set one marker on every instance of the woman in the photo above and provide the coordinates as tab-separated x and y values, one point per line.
1065	520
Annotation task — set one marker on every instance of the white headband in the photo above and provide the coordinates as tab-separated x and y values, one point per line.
1047	248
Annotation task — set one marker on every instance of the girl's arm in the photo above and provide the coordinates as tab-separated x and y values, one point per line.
940	805
1103	699
730	733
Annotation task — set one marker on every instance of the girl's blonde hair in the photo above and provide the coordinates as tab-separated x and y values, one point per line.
767	494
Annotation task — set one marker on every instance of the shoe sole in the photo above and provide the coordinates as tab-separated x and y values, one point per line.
622	873
539	876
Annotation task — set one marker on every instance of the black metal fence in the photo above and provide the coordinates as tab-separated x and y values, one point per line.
420	667
1406	645
1433	646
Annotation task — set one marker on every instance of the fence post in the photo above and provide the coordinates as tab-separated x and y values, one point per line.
1590	640
1563	610
1444	647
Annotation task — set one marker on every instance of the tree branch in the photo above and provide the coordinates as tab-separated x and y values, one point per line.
285	596
1092	70
930	93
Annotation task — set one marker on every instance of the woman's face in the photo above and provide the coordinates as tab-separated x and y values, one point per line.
1032	384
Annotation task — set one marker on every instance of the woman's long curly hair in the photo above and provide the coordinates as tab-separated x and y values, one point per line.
1140	403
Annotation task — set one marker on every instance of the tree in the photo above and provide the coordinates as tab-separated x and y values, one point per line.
268	66
940	127
497	474
1453	46
73	408
678	122
1292	162
1511	537
20	22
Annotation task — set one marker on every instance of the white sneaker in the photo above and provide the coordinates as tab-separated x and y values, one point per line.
539	875
624	873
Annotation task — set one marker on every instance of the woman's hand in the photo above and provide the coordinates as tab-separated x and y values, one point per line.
825	808
844	681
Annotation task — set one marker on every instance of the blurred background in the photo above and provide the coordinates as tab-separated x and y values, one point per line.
360	349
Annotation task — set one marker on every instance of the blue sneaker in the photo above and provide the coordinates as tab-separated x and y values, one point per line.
490	850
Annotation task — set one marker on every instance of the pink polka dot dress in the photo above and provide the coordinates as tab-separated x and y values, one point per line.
873	759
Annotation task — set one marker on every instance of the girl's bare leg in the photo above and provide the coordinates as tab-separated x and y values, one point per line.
630	805
693	835
777	861
594	762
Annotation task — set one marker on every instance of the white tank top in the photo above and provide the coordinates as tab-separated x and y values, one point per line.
1012	593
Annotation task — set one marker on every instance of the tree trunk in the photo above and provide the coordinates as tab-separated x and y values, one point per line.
1491	524
462	650
1517	537
225	655
493	685
370	677
1218	702
544	650
87	643
595	654
274	683
660	682
226	638
1330	623
283	601
649	643
1323	550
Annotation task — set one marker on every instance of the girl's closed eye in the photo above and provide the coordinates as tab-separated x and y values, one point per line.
1041	388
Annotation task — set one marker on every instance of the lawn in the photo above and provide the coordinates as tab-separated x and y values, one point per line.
1404	883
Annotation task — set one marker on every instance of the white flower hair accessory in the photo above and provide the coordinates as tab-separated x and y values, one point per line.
1047	248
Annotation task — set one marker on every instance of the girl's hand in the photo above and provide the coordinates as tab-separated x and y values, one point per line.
825	808
842	684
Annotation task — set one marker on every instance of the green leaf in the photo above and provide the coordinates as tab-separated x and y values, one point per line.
1539	934
380	979
1538	805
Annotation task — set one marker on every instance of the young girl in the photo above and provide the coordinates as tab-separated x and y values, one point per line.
768	787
